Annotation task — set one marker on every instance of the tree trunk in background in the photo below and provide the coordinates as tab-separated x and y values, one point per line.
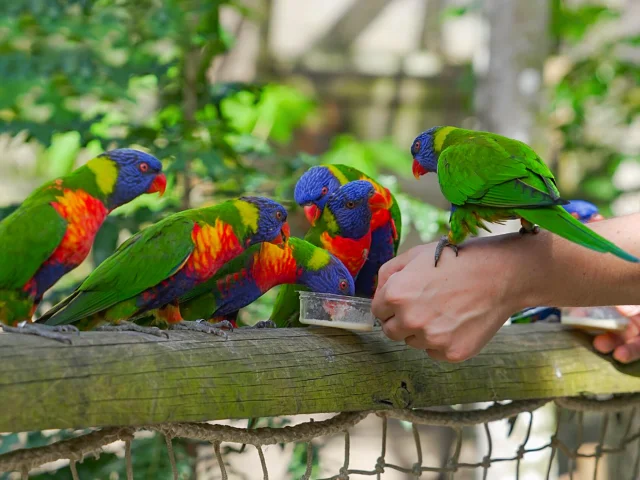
508	96
508	99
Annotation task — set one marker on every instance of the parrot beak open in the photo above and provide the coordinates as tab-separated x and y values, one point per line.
418	170
312	212
159	184
285	233
377	201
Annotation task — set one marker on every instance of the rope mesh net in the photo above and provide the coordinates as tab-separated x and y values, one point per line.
620	409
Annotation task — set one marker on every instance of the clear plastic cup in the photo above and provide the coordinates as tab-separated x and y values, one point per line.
337	311
594	320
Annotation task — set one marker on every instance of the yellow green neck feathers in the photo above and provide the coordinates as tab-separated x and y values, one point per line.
440	137
338	174
330	220
106	172
319	259
249	214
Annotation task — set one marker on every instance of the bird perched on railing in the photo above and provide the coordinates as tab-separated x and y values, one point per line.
312	192
260	268
152	269
53	230
488	177
344	229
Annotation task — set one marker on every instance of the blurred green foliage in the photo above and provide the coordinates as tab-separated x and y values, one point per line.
595	103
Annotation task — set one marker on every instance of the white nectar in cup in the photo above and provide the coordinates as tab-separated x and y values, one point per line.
337	311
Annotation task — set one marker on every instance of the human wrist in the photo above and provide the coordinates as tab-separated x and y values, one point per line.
525	272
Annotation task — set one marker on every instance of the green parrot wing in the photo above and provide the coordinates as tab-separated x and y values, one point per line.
28	237
482	171
396	216
143	261
286	309
232	266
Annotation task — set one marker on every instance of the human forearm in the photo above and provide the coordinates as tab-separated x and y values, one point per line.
559	273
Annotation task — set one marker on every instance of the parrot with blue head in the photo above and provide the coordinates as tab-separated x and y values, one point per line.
314	189
260	268
488	177
343	229
150	271
53	230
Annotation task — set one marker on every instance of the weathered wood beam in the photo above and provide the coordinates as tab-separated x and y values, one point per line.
132	379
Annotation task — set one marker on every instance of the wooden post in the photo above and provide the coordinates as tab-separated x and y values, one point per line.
134	379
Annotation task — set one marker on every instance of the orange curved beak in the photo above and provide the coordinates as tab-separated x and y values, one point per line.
378	201
285	233
159	184
418	170
312	212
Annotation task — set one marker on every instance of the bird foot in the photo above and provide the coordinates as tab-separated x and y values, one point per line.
222	324
528	227
533	230
442	243
263	324
203	326
44	331
132	327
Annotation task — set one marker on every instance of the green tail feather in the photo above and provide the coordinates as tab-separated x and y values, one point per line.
558	221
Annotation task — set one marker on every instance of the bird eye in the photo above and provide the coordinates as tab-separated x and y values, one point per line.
351	204
278	215
343	285
324	190
416	147
143	167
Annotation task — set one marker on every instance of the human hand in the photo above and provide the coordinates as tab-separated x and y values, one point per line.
451	311
625	346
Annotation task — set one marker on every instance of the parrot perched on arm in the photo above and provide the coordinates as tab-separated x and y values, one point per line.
320	182
488	177
344	229
152	269
260	268
53	230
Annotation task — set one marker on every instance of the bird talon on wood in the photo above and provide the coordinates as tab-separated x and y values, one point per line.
202	327
264	324
44	331
221	325
132	327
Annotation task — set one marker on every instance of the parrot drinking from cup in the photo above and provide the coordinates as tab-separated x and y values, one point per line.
151	270
260	268
312	192
53	230
344	229
488	177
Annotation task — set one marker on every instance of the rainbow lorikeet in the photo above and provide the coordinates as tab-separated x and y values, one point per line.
318	183
260	268
488	177
53	230
344	229
152	269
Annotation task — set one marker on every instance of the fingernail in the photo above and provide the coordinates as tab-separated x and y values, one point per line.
622	355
